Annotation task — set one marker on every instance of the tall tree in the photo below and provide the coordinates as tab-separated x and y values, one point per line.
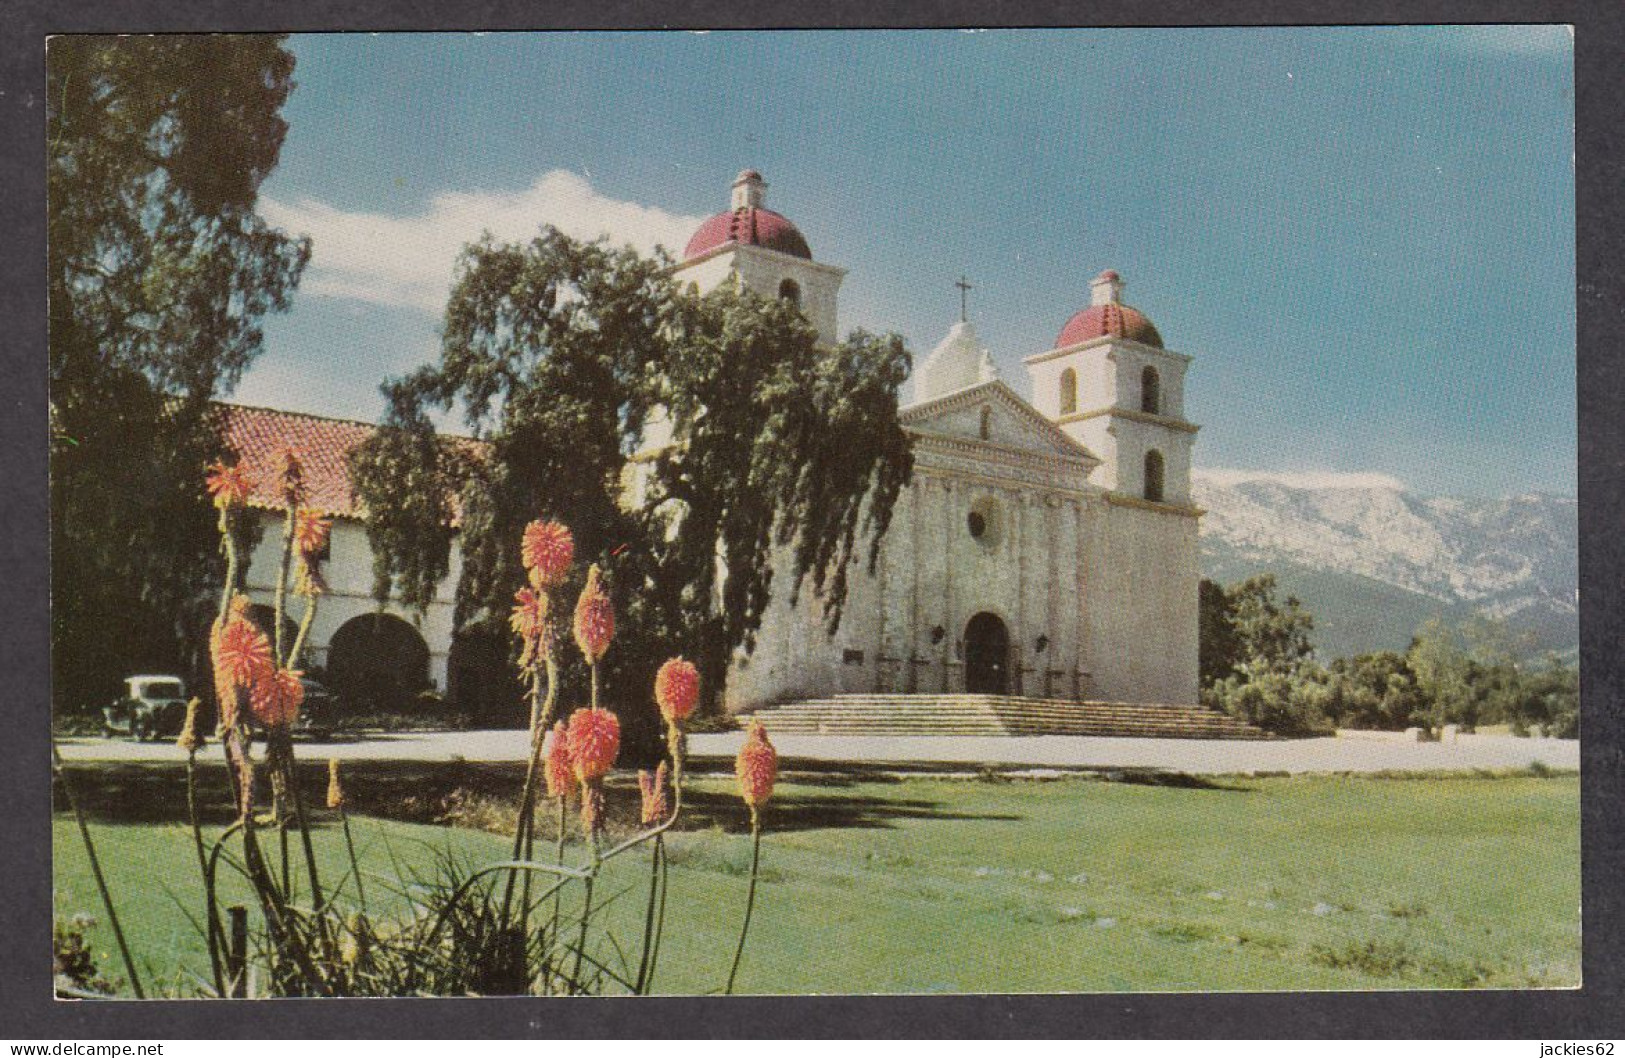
1273	634
1219	648
1257	652
684	438
160	273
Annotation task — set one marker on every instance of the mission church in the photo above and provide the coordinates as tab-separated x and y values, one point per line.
1046	546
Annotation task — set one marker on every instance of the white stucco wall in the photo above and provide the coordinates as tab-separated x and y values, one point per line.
1143	631
348	572
761	270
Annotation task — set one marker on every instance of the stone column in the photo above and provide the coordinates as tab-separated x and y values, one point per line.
1018	635
1052	628
916	498
950	639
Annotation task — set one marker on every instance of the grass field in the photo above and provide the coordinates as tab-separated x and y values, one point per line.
875	884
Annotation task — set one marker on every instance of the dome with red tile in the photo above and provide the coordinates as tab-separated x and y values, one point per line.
1118	321
1107	316
748	223
752	226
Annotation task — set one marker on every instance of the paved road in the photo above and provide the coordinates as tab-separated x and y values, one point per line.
1363	753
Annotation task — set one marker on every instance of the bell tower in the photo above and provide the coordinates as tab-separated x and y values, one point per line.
763	252
1109	382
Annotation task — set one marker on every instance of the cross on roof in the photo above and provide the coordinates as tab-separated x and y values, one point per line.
964	289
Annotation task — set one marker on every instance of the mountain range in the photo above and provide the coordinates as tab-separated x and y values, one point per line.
1371	560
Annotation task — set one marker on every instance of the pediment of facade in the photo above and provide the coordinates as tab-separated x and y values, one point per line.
1015	432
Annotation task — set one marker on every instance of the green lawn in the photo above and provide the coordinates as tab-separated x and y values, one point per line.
939	885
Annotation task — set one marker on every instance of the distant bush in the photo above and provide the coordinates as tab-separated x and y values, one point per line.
1277	702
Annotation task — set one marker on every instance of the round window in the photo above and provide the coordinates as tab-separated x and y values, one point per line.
985	522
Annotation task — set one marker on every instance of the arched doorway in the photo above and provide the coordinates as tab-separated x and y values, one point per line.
377	662
987	655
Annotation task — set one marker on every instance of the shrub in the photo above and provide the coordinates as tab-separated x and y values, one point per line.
1276	702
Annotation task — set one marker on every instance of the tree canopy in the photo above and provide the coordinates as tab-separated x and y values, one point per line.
1257	662
685	439
160	273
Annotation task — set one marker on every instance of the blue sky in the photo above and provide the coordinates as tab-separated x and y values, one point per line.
1364	236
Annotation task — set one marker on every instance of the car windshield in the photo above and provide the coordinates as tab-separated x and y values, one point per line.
161	689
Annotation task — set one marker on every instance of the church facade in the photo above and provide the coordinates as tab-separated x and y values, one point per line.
1046	546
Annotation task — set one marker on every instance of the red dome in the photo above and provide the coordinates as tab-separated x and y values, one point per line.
752	225
1118	321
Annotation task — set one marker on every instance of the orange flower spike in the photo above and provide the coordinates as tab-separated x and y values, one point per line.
757	767
293	478
335	788
191	739
595	618
529	623
677	690
276	698
230	486
653	787
310	534
593	739
546	551
242	653
556	761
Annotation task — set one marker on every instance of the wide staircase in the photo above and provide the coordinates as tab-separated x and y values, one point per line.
996	715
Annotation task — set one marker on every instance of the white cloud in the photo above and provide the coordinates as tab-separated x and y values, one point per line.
407	260
1310	479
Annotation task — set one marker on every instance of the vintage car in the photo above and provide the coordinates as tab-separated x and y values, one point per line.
318	714
152	707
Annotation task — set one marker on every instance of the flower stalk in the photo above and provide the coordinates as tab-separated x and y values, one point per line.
96	871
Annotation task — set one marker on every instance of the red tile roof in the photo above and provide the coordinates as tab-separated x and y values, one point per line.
1119	321
259	436
752	225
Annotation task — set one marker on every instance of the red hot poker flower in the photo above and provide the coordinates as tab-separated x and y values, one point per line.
556	758
293	478
594	740
529	623
546	551
653	788
335	788
677	689
242	653
757	766
230	486
276	698
310	534
595	618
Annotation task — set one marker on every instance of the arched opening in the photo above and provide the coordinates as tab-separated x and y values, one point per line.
987	655
481	683
1153	476
790	291
986	430
377	663
1150	391
1069	391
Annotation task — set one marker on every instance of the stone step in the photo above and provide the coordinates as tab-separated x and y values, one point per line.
995	715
